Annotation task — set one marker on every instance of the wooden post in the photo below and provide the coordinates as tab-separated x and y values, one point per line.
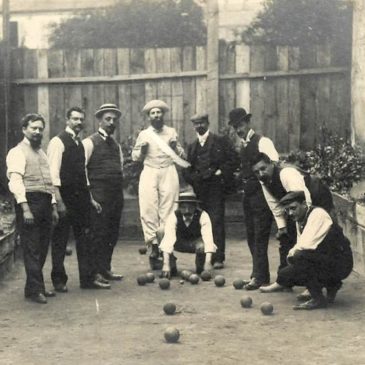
4	127
358	74
213	65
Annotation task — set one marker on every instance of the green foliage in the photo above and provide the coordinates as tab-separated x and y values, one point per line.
142	23
303	22
334	160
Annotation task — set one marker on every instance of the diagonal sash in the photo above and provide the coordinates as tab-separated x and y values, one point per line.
167	149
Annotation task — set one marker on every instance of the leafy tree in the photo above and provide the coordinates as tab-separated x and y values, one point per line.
302	22
142	23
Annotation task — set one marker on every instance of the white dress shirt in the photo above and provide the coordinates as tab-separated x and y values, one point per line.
317	227
202	139
169	239
265	145
16	162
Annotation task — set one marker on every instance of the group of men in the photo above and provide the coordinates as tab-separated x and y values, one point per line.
79	184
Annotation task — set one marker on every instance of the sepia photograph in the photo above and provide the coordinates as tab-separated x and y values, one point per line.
182	182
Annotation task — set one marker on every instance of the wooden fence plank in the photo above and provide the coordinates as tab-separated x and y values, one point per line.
164	87
150	65
201	82
243	87
99	89
30	70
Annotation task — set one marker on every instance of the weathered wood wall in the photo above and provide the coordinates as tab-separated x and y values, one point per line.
289	91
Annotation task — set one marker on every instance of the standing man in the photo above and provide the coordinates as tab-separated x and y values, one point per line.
213	161
276	182
258	216
104	162
158	148
30	182
67	162
322	256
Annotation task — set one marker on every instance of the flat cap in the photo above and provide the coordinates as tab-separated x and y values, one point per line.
292	196
200	116
108	108
155	104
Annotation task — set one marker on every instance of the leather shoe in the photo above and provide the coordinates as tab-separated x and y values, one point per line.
274	288
305	296
38	298
101	278
218	265
96	284
60	288
49	294
311	304
110	275
254	284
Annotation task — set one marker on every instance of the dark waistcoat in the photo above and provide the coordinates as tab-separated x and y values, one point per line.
191	232
72	171
104	164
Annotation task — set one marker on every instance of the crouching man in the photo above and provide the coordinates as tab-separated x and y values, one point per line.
188	229
322	256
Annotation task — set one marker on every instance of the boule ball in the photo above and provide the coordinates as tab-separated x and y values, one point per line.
219	280
185	274
142	250
206	275
150	277
238	284
266	308
164	284
194	279
246	302
142	279
169	308
171	334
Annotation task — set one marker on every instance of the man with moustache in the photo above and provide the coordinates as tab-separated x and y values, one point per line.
67	162
158	148
321	257
104	162
213	161
258	216
30	182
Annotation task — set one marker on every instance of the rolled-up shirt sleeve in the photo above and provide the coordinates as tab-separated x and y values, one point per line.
293	180
207	233
267	146
54	152
169	238
275	208
136	152
15	162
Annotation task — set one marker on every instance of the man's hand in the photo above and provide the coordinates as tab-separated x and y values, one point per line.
61	208
165	274
173	144
218	172
144	148
55	216
96	205
281	232
27	214
208	266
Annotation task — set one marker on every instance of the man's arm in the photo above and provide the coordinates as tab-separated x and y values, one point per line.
318	225
275	208
140	148
207	237
267	146
167	243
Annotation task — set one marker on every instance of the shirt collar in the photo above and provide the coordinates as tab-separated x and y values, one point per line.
70	131
250	133
203	138
103	134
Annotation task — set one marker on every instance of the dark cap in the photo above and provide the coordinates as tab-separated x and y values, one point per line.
292	196
200	116
237	116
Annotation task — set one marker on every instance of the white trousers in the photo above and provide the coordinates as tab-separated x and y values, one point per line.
158	190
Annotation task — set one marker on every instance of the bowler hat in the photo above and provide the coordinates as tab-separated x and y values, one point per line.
187	197
237	116
155	104
292	196
108	108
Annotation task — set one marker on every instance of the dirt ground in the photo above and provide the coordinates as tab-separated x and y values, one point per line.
125	325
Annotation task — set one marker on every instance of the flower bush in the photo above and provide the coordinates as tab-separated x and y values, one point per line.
334	160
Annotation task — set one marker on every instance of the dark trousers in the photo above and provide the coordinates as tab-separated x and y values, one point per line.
316	270
35	239
78	208
286	242
211	194
105	226
195	246
258	220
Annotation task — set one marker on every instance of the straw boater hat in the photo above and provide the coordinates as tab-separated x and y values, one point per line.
188	197
237	116
155	104
108	108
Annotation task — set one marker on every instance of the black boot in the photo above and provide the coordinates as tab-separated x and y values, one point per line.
155	259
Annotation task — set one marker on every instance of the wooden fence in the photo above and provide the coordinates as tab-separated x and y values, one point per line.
289	91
